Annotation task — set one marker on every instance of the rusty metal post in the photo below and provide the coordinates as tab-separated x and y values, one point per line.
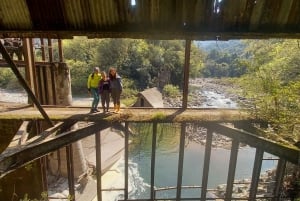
154	134
70	167
126	160
281	165
180	161
256	174
232	167
186	73
98	165
206	164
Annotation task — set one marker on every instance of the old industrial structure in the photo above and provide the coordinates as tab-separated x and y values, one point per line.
47	84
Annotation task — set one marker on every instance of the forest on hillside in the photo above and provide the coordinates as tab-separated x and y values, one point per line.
266	70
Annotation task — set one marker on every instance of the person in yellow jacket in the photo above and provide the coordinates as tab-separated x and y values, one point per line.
92	85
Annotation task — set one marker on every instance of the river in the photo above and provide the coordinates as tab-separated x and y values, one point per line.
167	163
167	158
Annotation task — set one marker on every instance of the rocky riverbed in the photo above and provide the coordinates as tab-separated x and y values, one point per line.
209	93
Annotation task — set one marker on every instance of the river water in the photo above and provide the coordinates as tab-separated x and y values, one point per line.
167	158
167	154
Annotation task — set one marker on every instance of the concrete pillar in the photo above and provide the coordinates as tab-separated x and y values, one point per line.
80	165
63	84
64	98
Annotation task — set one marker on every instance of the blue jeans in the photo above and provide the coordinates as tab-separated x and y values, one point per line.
96	97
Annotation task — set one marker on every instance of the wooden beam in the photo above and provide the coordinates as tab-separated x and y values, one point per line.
290	153
23	155
22	64
24	83
61	127
8	129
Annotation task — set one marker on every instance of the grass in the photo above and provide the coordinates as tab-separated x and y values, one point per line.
128	101
158	116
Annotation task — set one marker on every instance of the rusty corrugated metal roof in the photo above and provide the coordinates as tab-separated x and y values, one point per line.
158	19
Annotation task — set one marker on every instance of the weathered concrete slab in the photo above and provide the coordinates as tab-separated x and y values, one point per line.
132	114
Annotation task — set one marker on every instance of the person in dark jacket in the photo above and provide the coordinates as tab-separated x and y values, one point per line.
116	88
104	91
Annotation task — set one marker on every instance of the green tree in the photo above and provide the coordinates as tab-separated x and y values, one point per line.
273	82
81	49
196	61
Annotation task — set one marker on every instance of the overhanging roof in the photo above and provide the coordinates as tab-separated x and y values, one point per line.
157	19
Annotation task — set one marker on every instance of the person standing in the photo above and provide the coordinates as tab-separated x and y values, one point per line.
116	88
92	85
104	90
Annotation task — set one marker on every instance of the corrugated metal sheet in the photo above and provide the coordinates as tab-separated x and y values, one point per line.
161	19
14	14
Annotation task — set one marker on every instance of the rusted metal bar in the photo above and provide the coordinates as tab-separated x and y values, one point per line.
70	169
206	164
60	51
24	84
279	179
112	189
153	154
180	161
232	167
59	127
126	160
256	173
98	165
290	154
186	73
21	156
